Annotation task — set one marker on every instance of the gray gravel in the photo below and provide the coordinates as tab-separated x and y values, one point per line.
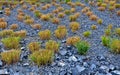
98	61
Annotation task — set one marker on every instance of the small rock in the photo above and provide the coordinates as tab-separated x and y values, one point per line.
1	63
26	64
63	52
79	68
58	58
1	12
75	72
73	58
85	64
108	74
80	60
111	67
69	53
4	72
101	58
63	73
69	47
116	72
97	73
2	50
21	42
63	41
22	48
104	68
16	73
49	73
53	64
61	48
61	64
93	66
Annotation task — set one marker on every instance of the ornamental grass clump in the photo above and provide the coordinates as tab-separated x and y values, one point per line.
115	46
117	31
42	57
67	12
60	32
55	20
36	26
11	56
72	40
72	18
106	41
21	33
93	17
45	17
118	13
37	14
100	21
45	35
11	42
7	11
74	26
29	21
61	15
89	13
93	27
87	33
34	46
52	45
82	47
14	26
6	33
107	32
3	23
101	8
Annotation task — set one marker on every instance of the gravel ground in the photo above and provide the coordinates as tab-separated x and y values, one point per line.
98	61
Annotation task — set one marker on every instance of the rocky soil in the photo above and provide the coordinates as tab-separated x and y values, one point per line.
98	61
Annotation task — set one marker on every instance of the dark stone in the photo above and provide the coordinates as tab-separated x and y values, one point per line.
85	64
115	72
101	58
93	66
63	52
63	73
63	41
1	63
73	58
22	48
69	47
79	68
4	72
26	64
1	12
75	72
111	68
61	64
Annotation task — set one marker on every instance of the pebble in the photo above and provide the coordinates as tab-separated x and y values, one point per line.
73	58
61	64
22	48
105	68
116	72
4	72
93	66
1	12
1	63
63	52
79	68
26	64
63	41
69	47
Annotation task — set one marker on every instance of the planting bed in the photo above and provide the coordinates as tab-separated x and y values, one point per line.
57	38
